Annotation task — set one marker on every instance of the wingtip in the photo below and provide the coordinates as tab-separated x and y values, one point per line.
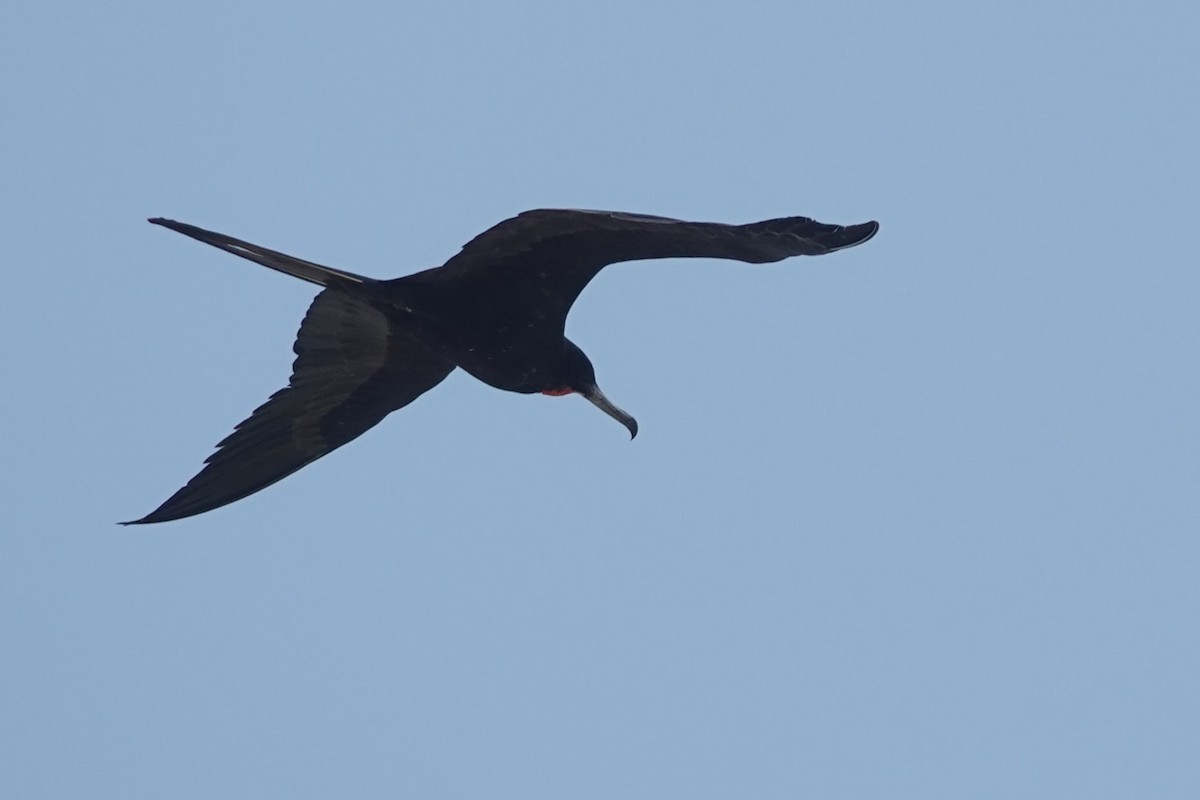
164	513
871	227
157	515
853	235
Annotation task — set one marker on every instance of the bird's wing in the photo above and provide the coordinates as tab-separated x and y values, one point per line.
353	367
557	252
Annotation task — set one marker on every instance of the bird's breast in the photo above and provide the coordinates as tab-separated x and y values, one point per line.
512	364
504	346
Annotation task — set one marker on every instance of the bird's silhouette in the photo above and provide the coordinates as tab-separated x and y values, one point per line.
497	309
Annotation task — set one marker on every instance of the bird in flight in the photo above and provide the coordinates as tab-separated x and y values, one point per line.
498	309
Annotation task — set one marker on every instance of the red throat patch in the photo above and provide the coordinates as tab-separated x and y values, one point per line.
558	392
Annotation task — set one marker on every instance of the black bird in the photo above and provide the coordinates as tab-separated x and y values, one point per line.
498	309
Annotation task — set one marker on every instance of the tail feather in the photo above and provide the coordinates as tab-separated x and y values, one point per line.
296	267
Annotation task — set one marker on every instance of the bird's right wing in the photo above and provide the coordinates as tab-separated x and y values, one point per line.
556	252
352	368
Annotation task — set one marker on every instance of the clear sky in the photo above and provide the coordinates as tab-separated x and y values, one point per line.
915	520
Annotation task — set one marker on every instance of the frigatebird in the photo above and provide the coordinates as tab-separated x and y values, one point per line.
498	309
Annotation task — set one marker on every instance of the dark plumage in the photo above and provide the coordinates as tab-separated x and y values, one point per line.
498	309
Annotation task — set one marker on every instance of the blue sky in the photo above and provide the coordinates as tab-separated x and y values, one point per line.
914	520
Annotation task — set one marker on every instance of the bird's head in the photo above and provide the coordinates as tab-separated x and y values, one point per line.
576	375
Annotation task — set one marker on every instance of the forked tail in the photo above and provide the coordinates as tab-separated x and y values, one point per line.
296	267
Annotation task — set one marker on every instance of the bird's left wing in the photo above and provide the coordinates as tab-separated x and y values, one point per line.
353	367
